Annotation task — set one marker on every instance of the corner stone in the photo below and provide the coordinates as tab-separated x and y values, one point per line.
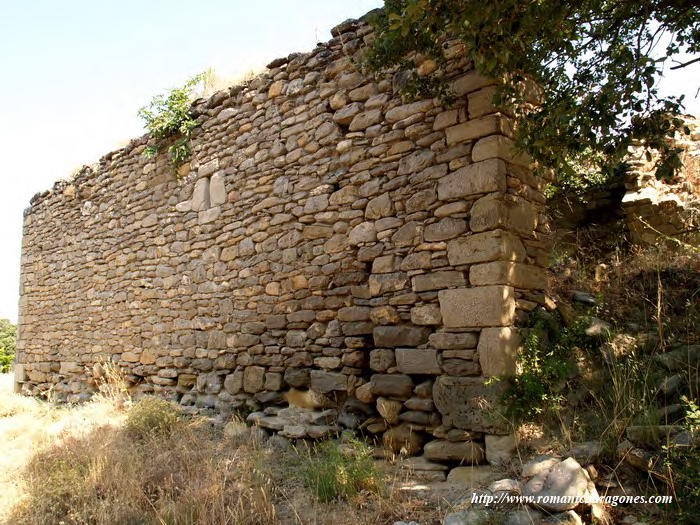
498	348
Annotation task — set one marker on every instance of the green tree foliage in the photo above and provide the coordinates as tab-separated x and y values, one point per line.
597	63
8	340
170	122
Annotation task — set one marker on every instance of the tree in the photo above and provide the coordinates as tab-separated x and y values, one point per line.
598	65
8	339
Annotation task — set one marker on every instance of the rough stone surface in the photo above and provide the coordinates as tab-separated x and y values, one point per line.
477	307
325	243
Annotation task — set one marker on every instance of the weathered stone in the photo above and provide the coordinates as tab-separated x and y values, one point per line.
444	229
345	114
417	361
474	129
503	272
363	232
477	307
379	207
464	452
489	213
498	349
428	314
472	476
438	280
498	147
200	196
482	177
365	119
253	378
217	190
447	341
500	449
403	439
392	336
487	246
391	385
470	403
561	488
325	382
297	377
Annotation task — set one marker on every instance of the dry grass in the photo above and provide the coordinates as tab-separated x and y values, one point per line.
81	464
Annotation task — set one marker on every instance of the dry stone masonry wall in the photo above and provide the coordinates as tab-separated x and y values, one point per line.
332	257
656	210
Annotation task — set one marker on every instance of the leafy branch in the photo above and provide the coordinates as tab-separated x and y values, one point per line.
167	116
597	65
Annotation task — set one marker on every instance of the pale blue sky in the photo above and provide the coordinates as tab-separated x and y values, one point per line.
75	72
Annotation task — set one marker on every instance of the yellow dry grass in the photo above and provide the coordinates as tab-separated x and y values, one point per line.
81	464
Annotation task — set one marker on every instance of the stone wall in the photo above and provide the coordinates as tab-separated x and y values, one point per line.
655	210
329	247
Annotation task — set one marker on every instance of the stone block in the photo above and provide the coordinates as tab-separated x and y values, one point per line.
500	449
392	385
444	229
480	127
496	245
464	452
365	119
498	349
417	361
200	195
516	214
324	382
471	404
498	147
438	280
426	315
481	177
477	307
515	274
471	477
253	378
469	82
480	102
217	190
448	341
392	336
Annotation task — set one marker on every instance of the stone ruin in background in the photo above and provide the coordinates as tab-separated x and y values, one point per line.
655	210
331	258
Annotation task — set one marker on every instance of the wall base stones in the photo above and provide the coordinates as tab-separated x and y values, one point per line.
333	257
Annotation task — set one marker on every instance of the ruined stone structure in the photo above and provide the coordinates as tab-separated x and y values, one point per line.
326	236
654	209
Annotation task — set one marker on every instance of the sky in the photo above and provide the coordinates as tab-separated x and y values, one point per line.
75	72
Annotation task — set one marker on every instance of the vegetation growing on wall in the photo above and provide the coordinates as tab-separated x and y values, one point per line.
8	339
597	63
170	122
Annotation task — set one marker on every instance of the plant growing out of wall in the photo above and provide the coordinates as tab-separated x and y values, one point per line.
170	122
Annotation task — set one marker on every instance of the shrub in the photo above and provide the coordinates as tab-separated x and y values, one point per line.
334	471
168	116
8	339
152	417
543	365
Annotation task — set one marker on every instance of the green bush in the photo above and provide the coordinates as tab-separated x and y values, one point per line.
152	416
334	471
8	340
169	116
544	364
